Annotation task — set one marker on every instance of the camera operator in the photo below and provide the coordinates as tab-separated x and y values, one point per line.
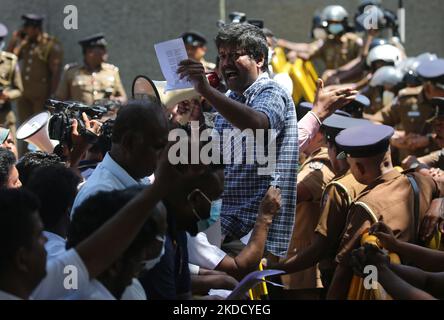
97	151
72	127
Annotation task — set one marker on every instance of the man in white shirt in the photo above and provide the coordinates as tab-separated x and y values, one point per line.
111	283
56	188
137	135
23	267
211	257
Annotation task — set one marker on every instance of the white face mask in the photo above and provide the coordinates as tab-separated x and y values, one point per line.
387	98
150	264
2	45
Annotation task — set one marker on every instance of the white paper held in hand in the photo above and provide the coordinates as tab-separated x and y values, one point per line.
170	54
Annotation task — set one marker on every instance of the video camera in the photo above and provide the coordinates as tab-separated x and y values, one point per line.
63	114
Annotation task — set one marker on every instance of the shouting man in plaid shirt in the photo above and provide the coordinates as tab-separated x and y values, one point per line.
255	102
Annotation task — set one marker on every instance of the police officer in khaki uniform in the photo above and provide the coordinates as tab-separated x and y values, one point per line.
11	86
341	46
40	56
433	163
388	195
337	196
409	114
94	79
411	110
196	46
314	174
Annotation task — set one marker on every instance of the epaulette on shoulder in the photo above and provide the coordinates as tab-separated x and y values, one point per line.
410	92
8	55
109	66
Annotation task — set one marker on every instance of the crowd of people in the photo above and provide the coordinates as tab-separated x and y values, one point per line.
362	160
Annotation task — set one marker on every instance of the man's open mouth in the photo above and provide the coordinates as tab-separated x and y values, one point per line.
231	74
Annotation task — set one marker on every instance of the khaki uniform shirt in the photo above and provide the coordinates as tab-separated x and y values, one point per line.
10	78
315	174
86	86
390	197
336	53
336	201
409	112
36	60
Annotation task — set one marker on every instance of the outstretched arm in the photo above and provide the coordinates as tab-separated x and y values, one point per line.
249	258
108	243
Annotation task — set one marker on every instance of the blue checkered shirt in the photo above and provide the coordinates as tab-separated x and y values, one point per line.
244	187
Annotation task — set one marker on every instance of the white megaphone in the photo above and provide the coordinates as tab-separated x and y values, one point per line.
35	131
144	88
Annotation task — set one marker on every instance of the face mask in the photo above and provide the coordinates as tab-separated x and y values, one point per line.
2	45
387	98
150	264
319	34
216	206
335	28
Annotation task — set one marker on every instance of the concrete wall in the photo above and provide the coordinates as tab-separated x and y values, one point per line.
132	27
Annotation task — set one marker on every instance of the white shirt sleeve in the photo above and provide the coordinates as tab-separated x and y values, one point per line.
66	274
202	253
134	291
194	270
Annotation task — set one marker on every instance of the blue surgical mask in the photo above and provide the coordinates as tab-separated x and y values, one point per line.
150	264
335	28
216	206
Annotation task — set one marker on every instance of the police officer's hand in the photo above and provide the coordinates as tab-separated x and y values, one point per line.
328	101
368	255
194	72
408	162
432	220
18	36
292	56
416	141
399	140
437	174
4	97
385	235
271	203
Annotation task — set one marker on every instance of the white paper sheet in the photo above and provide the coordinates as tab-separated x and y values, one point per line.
170	54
